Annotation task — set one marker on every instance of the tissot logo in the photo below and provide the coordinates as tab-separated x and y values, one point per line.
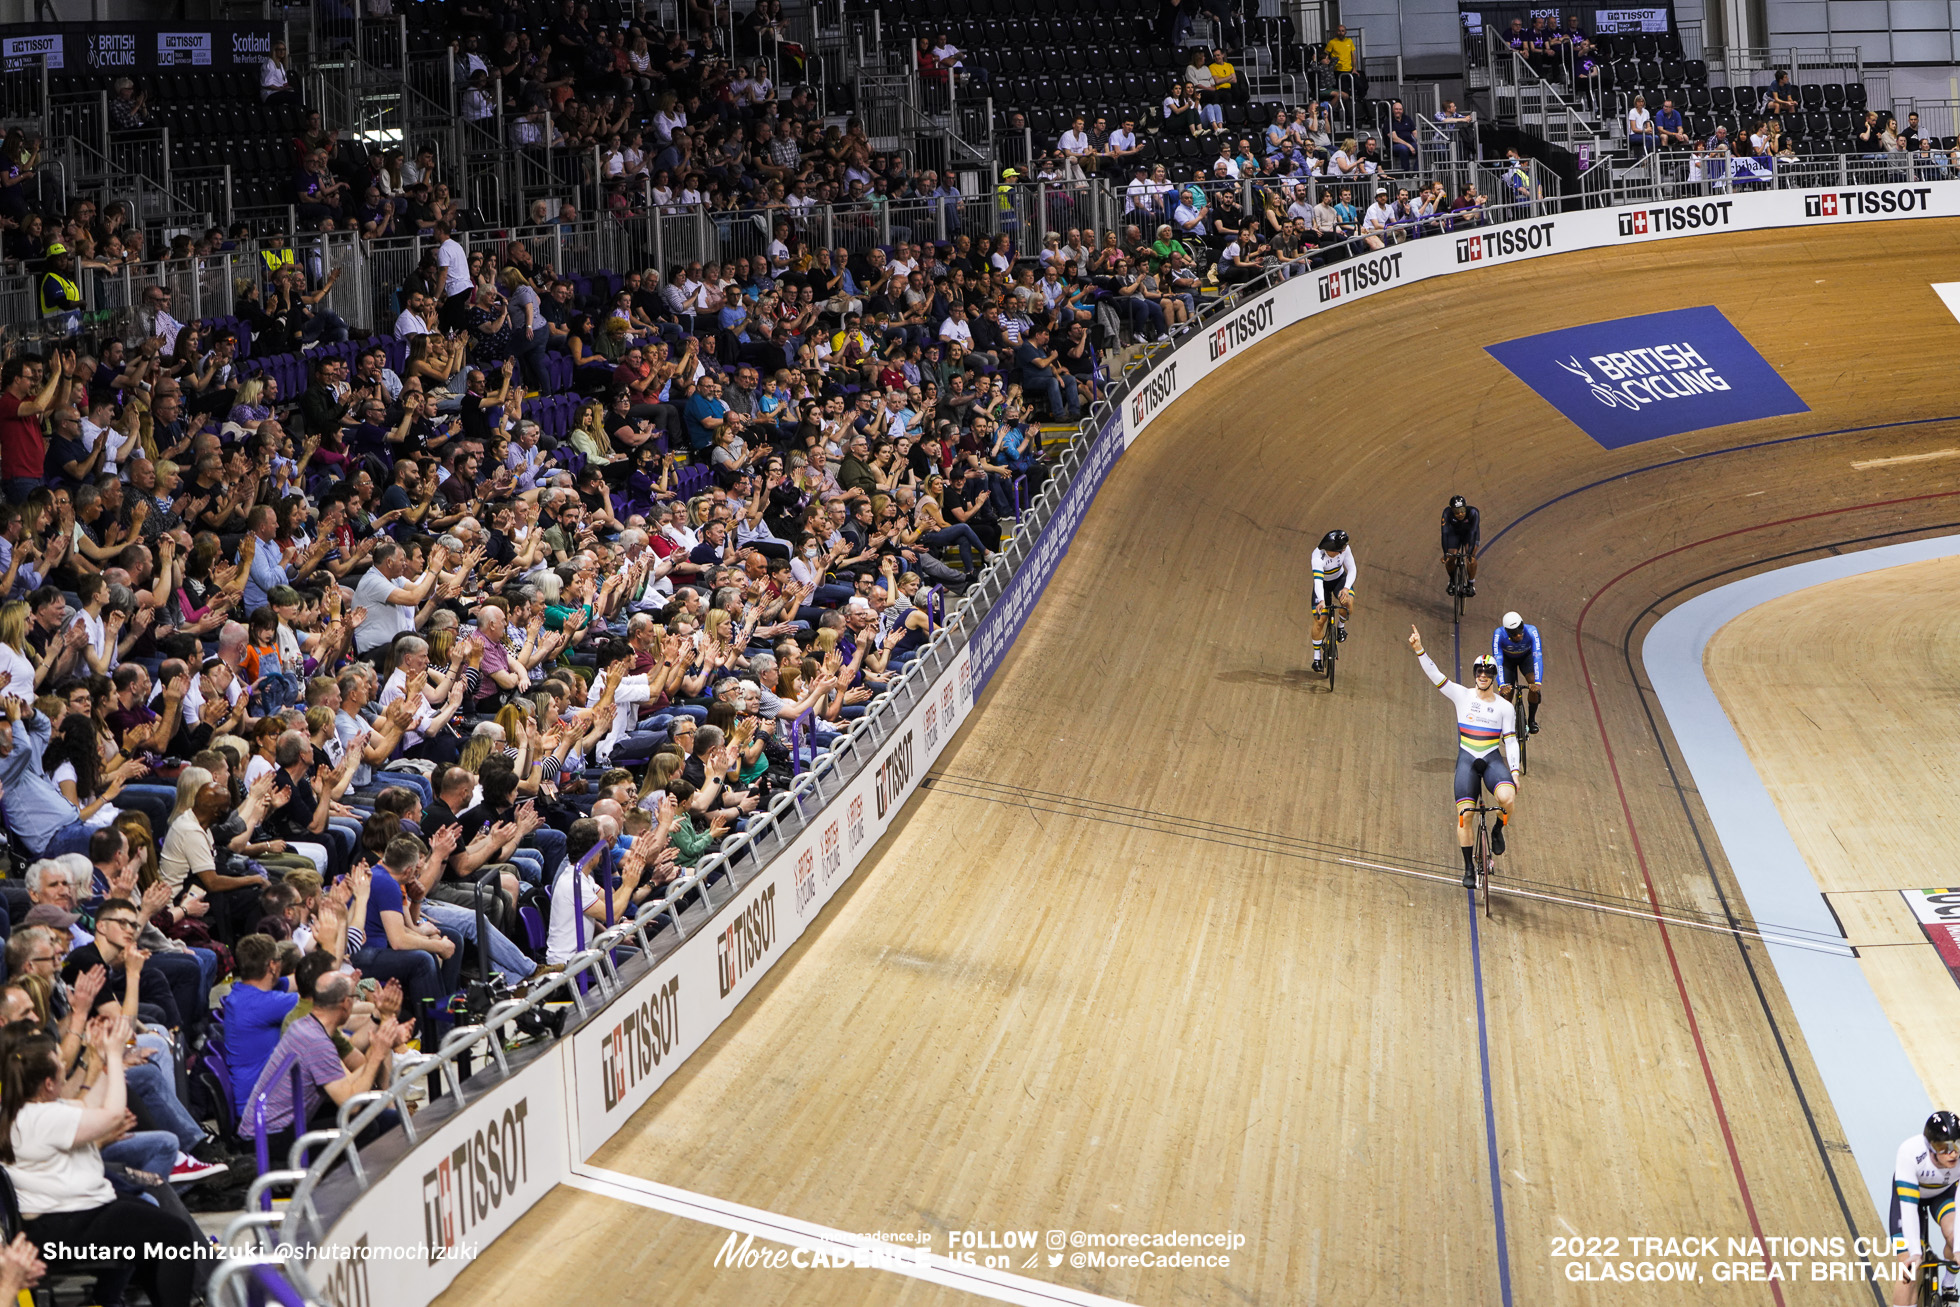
346	1280
894	774
1368	273
746	940
1853	204
1504	241
1155	392
806	880
1240	328
634	1047
473	1179
1676	217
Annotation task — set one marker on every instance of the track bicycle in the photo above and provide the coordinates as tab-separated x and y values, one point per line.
1481	855
1929	1293
1459	578
1335	633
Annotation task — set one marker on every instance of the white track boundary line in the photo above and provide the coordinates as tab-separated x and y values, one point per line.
1643	914
898	1258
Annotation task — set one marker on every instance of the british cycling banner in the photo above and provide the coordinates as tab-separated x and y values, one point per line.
1642	378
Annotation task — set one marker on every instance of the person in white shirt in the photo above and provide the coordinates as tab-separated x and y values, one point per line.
412	320
1075	149
272	73
955	328
1123	142
456	288
1375	222
1224	165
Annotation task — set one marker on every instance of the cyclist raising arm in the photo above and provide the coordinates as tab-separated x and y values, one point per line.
1520	658
1483	721
1460	535
1333	583
1923	1184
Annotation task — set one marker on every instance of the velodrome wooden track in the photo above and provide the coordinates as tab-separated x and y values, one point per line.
1108	975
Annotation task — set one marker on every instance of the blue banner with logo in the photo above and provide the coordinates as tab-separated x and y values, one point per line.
1002	625
1642	378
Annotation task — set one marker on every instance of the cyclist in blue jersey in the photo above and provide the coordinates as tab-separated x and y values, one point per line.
1520	656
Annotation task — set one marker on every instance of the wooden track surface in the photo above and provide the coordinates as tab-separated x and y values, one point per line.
1862	770
1108	973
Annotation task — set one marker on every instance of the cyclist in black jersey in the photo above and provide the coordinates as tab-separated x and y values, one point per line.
1460	535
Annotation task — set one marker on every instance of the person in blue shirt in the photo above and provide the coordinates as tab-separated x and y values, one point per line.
1520	658
266	569
705	414
35	809
1668	125
255	1011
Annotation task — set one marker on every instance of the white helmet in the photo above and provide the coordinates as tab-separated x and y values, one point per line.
1512	621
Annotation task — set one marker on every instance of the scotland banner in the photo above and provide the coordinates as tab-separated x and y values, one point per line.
1638	379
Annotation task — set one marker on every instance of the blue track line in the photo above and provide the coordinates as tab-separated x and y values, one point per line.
1483	1044
1488	545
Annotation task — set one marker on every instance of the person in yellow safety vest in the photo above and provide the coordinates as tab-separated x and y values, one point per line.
1004	199
59	294
276	259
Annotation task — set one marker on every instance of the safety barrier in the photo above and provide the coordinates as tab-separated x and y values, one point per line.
490	1145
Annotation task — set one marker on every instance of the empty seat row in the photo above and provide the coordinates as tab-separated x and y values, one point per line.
942	10
229	120
1030	60
232	85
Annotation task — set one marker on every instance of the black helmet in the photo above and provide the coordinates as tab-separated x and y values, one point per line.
1943	1127
1333	542
1483	665
1458	503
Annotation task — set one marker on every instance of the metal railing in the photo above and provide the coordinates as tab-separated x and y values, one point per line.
1682	174
1520	95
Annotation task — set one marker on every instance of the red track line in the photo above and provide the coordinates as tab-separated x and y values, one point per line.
1640	854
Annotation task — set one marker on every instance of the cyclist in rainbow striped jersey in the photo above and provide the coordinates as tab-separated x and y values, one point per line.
1484	722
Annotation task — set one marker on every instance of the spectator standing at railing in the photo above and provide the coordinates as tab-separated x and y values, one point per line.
59	297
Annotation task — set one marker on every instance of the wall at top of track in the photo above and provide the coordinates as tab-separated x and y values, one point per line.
1267	312
468	1178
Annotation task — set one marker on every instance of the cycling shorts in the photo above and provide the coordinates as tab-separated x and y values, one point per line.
1490	771
1932	1207
1331	586
1516	670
